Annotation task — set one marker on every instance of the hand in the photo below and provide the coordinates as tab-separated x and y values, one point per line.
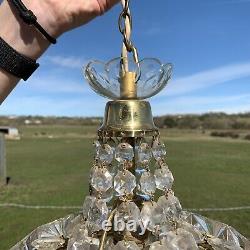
58	16
55	16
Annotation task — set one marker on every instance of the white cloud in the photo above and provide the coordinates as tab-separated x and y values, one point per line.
202	104
206	79
202	100
59	79
67	62
49	106
54	84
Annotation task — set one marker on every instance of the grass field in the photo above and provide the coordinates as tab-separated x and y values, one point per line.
49	166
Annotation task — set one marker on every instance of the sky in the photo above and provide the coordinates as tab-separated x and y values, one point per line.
207	41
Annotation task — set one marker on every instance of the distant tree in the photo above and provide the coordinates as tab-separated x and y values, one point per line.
189	122
170	122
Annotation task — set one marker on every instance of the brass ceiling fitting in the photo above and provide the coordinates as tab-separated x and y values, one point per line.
128	118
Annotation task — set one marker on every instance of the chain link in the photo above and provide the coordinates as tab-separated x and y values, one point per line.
125	24
123	18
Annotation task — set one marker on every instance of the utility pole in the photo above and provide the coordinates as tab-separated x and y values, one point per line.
3	178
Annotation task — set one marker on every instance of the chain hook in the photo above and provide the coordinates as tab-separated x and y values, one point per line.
125	28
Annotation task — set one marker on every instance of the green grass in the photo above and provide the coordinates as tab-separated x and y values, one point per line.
49	166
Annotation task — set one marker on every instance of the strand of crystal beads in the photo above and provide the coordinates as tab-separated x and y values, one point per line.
146	187
124	181
95	208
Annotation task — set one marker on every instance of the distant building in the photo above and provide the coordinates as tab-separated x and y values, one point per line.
37	122
10	133
27	122
32	122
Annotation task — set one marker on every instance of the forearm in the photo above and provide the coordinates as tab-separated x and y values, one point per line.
23	38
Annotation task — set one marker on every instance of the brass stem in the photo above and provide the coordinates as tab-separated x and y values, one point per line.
104	236
128	88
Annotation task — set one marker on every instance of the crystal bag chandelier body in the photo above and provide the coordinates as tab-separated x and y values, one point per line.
130	170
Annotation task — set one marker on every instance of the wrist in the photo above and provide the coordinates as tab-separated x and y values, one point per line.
23	38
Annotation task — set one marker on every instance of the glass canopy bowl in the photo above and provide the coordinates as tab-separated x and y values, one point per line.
105	78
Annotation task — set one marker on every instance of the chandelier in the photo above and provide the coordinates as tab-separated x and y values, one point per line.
131	204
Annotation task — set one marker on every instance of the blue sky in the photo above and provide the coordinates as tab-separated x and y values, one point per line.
208	41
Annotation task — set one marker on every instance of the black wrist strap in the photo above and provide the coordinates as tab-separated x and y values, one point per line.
29	18
15	63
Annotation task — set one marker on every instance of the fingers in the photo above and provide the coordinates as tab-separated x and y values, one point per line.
111	3
105	5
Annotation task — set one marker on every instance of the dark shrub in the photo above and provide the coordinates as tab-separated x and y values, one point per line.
229	134
247	137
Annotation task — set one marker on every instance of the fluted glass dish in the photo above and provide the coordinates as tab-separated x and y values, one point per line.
151	77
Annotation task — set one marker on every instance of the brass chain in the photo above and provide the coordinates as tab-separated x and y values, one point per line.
125	24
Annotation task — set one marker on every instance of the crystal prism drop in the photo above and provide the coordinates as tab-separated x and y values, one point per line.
229	234
181	239
126	245
158	245
87	243
163	178
164	229
152	216
215	228
198	236
79	236
150	240
124	182
170	205
147	183
74	226
101	180
106	196
158	150
96	144
113	170
144	153
124	152
140	169
219	244
105	153
92	171
48	243
87	205
128	211
200	223
97	214
109	244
